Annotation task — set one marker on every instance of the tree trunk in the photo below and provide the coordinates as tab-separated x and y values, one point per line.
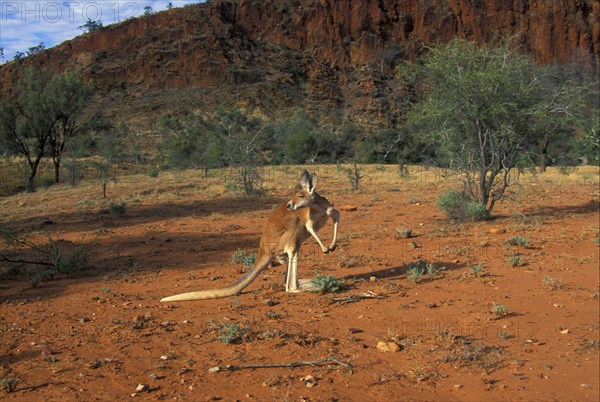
544	154
56	170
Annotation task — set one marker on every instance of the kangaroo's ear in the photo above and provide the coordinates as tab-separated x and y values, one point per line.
313	182
308	181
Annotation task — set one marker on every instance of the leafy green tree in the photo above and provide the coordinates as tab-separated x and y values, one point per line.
482	108
110	150
69	96
190	143
300	138
241	140
27	122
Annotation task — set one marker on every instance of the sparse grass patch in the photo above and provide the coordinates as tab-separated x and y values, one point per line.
517	241
326	284
432	270
230	333
477	270
115	208
417	269
9	384
499	309
515	260
553	283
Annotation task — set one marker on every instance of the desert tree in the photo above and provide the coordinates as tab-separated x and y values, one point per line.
483	108
70	97
28	121
189	142
241	140
91	25
36	49
109	148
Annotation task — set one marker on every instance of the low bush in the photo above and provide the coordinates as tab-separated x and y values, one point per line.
458	206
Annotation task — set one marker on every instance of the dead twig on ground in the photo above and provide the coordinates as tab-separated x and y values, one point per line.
322	362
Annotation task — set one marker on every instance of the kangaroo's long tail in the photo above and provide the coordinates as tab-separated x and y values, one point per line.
262	261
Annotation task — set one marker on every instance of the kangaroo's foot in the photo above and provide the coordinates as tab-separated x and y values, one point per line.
304	285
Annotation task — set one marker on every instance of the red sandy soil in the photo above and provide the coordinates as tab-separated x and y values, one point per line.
98	334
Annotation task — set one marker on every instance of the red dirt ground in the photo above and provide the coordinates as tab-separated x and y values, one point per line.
99	334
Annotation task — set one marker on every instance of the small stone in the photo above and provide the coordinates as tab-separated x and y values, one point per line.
403	233
383	346
165	357
271	303
153	376
497	231
565	331
585	385
458	386
142	388
309	381
84	319
348	208
372	279
165	323
412	245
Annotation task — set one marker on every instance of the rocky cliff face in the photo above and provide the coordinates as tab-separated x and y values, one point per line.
323	55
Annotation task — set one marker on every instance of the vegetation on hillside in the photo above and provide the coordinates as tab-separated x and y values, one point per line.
489	112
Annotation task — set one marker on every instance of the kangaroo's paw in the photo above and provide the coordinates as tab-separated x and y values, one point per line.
332	247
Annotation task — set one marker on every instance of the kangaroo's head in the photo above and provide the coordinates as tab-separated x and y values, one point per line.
306	195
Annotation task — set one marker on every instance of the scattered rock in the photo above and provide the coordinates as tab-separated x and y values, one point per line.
372	279
142	388
497	231
85	319
458	386
153	376
565	331
403	233
585	385
383	346
309	381
348	208
165	357
271	303
412	245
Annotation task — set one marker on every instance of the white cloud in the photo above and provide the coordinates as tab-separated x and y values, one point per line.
24	24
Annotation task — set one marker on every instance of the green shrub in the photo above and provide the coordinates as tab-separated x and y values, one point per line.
115	208
232	333
153	173
499	309
517	241
241	257
477	270
415	270
46	181
326	284
515	260
458	206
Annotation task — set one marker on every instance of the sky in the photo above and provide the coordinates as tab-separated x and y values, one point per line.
24	24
